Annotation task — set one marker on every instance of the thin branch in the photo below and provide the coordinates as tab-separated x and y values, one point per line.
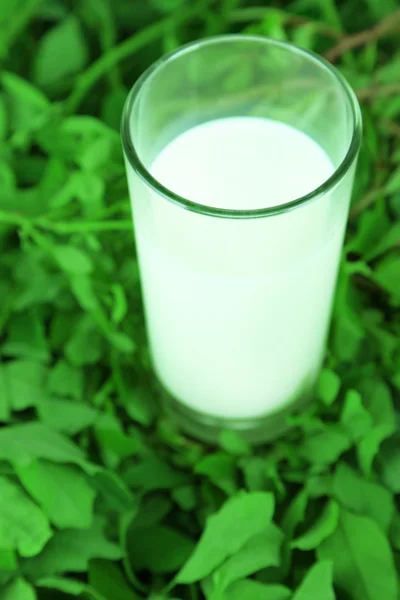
372	91
387	26
365	202
125	49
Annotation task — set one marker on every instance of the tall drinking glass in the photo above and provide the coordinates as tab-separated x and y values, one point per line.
240	155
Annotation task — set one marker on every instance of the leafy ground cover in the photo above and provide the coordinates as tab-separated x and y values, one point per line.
100	496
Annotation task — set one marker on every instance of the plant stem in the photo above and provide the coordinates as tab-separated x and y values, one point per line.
389	25
125	49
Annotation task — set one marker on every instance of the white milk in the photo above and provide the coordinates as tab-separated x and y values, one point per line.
237	309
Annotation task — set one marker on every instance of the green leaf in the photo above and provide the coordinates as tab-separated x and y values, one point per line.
65	380
261	551
62	491
26	337
389	461
363	496
107	579
27	103
62	51
363	563
317	584
220	468
253	590
71	550
387	274
227	531
72	587
23	443
8	560
369	446
23	526
159	549
67	416
325	446
355	418
328	386
152	473
324	526
233	442
19	590
23	381
73	260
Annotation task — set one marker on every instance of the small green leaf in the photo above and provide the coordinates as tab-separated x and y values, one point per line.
234	443
24	382
23	526
363	563
227	531
220	468
153	474
317	584
73	260
369	446
355	418
61	51
62	491
324	526
72	587
328	386
19	590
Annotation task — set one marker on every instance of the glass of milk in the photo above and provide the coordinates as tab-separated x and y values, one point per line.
240	155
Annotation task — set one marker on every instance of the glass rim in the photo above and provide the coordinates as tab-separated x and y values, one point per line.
338	174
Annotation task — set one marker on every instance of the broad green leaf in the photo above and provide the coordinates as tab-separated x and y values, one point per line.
8	560
62	491
363	563
23	526
247	589
107	579
71	550
363	496
227	531
19	590
261	551
62	51
25	442
67	416
324	526
159	549
317	584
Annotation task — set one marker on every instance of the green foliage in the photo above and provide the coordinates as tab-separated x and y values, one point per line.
100	496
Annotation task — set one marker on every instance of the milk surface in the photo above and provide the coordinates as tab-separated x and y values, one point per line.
237	310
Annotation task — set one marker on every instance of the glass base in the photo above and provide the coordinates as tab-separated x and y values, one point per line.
257	430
